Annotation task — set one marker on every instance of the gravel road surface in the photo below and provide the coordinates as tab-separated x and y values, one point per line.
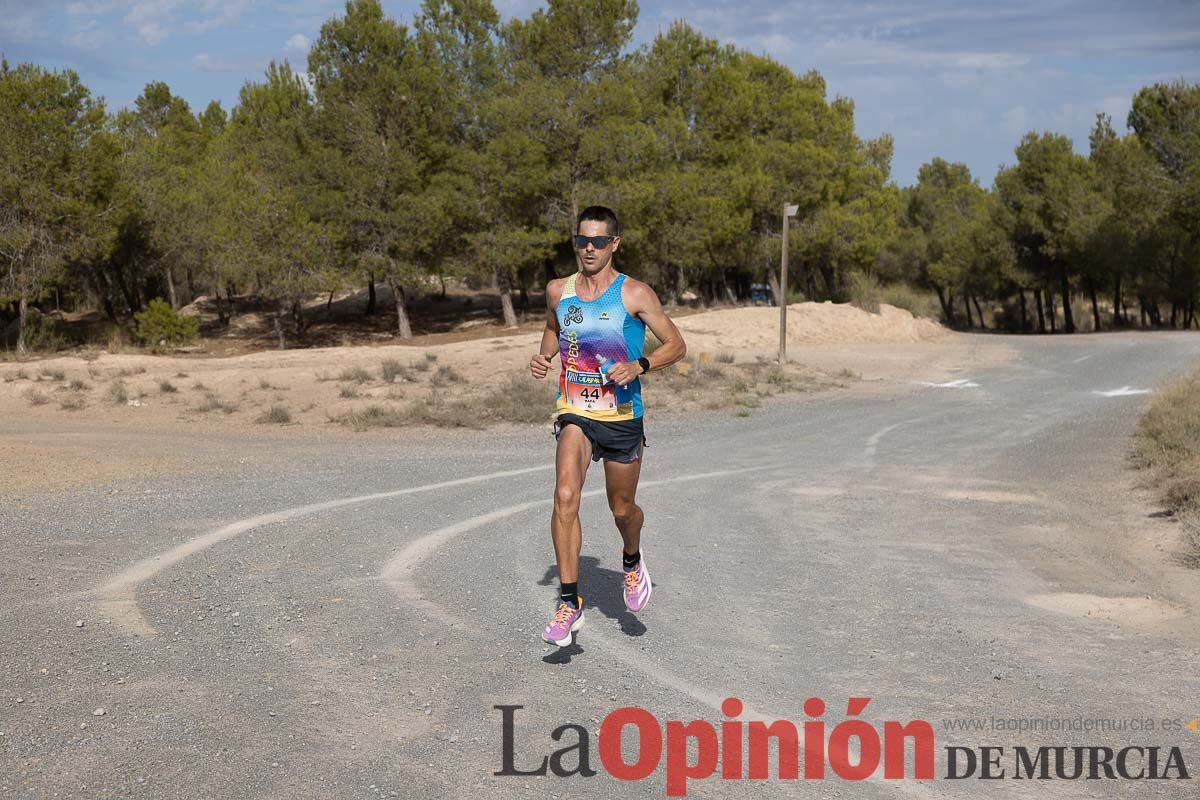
339	619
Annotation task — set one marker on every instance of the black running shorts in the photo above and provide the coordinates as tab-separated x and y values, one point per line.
613	441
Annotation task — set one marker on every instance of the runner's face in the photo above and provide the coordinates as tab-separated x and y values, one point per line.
590	258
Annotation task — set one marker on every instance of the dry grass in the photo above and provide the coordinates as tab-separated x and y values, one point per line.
373	416
347	390
1168	446
868	293
118	392
35	397
391	369
73	401
213	402
718	384
522	399
354	375
166	387
276	414
445	376
54	374
76	385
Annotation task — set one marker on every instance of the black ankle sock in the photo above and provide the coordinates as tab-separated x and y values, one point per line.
630	561
569	593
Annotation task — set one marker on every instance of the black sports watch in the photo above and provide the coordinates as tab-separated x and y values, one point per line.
645	362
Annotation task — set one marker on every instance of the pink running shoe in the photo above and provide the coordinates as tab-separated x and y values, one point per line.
567	620
637	586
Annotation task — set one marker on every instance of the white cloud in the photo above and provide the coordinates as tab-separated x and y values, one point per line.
152	33
90	37
206	63
227	11
297	41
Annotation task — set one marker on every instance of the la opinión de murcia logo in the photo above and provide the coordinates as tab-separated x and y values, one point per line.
738	749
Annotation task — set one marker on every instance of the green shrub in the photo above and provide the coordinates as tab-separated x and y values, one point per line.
160	325
868	293
45	335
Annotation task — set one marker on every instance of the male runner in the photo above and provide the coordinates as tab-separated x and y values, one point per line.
596	322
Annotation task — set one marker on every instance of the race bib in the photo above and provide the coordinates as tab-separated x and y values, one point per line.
586	391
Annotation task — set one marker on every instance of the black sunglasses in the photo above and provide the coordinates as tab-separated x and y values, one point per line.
598	242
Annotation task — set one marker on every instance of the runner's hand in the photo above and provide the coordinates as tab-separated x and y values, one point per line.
624	372
539	365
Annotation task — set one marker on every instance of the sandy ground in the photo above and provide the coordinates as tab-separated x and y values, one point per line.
161	424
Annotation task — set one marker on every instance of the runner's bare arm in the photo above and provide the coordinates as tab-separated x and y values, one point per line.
643	302
539	365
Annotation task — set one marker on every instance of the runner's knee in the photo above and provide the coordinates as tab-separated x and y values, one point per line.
623	509
566	499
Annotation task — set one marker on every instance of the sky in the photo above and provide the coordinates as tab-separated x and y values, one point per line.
959	80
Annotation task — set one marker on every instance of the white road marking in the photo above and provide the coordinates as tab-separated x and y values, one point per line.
1081	359
961	383
1124	391
398	569
873	443
117	596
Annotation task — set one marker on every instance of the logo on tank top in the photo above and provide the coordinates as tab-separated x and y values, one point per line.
603	315
574	314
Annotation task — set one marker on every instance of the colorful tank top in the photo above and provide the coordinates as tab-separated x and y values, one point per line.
589	332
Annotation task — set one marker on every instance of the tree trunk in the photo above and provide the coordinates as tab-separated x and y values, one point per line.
1095	305
279	324
370	294
403	326
102	291
502	290
967	306
1117	320
22	324
1068	316
947	307
1051	310
773	283
230	301
810	282
298	318
442	281
329	303
979	312
222	317
1037	295
131	303
727	291
171	288
524	286
1024	314
1174	312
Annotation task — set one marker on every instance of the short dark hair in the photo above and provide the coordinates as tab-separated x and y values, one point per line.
600	214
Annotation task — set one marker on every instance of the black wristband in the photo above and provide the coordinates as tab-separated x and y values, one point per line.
645	362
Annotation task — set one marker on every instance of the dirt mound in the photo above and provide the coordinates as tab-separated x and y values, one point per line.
757	329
